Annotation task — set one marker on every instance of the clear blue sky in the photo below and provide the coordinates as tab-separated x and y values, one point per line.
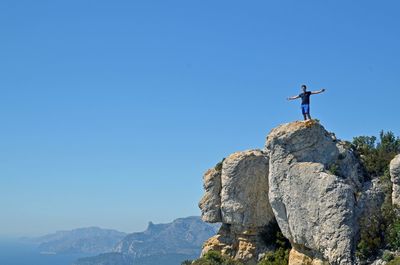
110	111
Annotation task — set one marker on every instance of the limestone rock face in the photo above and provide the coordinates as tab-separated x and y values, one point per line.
210	204
297	258
238	242
237	196
244	194
313	179
395	178
371	199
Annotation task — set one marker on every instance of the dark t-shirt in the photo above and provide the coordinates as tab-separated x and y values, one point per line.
305	97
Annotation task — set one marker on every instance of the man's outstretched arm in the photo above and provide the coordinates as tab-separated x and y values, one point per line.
318	91
294	97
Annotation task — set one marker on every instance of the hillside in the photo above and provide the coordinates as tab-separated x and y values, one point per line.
91	240
170	243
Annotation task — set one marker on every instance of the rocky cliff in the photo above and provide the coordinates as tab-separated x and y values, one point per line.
237	195
305	183
395	178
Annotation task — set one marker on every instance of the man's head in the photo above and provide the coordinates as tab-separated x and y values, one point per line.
304	88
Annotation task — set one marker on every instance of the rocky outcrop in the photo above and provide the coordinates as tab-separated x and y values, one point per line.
239	242
239	192
244	193
210	204
307	182
395	178
297	258
313	182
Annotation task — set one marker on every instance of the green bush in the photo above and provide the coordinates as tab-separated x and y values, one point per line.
281	255
383	228
281	241
186	262
334	169
396	261
370	237
278	257
215	258
387	256
218	166
376	156
393	235
380	230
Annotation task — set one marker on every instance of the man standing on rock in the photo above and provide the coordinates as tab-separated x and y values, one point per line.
305	100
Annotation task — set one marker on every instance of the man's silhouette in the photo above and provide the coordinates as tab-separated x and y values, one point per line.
305	101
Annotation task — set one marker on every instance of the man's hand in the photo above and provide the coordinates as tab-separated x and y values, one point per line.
294	97
317	92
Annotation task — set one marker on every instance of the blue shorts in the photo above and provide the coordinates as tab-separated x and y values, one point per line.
305	109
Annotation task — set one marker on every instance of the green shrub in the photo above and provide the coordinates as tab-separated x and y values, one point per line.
370	237
334	169
387	256
281	241
215	258
218	166
278	257
281	255
186	262
376	156
382	229
396	261
393	235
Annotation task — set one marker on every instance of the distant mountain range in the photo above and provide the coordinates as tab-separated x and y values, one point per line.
166	244
125	259
91	240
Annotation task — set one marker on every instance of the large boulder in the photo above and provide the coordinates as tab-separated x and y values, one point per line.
237	196
313	182
244	194
395	178
210	204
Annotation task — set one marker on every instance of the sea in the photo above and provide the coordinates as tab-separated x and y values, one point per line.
17	253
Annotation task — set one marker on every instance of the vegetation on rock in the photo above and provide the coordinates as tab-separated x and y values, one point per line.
214	258
278	257
376	156
281	255
396	261
218	166
382	229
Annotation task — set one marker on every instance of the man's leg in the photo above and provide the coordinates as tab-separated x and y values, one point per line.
308	111
304	111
